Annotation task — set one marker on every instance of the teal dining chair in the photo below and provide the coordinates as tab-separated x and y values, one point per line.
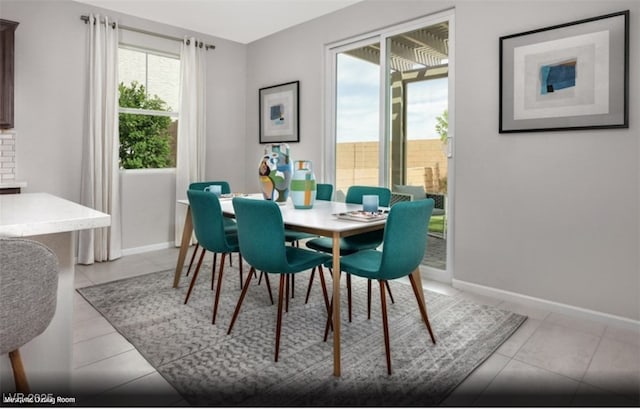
404	245
359	242
261	239
229	223
208	225
225	188
324	191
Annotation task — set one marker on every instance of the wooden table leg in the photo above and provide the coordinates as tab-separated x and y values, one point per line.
336	304
184	246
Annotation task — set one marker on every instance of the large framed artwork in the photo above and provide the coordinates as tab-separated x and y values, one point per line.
566	77
279	118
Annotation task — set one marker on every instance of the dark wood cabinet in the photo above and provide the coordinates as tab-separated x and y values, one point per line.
7	36
9	190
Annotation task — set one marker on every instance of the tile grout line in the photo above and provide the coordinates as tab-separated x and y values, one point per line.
477	398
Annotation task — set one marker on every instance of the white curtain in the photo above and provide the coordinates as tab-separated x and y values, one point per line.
191	125
100	168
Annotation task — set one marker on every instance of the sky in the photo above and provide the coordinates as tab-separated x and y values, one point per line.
358	103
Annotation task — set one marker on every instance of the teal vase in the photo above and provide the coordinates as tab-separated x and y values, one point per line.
303	185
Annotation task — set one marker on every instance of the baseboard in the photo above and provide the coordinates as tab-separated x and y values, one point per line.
144	249
553	306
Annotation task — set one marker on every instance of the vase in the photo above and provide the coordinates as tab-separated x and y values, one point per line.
303	185
275	172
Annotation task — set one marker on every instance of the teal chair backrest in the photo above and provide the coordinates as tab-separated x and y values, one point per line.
355	193
224	186
208	224
261	234
405	238
324	191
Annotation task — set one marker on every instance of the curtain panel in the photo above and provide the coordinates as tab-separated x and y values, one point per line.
190	158
100	188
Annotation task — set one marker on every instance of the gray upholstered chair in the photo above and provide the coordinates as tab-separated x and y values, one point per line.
400	193
29	286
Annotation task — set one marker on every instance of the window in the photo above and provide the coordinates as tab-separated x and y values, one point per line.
357	122
148	99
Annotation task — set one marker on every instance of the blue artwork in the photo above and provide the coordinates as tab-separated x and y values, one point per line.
558	76
277	114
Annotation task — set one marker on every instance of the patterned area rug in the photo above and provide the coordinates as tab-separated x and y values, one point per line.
210	368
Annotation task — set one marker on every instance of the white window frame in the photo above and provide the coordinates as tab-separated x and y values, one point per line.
150	112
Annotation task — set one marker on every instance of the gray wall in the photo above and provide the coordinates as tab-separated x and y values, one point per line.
51	61
549	215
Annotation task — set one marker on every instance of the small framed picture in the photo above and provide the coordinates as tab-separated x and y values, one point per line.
279	117
566	77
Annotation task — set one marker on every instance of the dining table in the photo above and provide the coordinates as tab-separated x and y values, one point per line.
323	219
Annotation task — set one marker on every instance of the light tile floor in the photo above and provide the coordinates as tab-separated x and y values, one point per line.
551	360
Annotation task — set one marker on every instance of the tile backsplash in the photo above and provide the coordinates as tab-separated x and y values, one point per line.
7	156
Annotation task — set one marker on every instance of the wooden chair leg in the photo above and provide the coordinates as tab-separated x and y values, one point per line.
423	308
219	289
385	325
293	286
369	296
240	272
369	299
349	294
324	288
193	256
195	275
19	376
237	310
213	271
313	273
279	319
240	264
287	293
266	280
329	324
389	291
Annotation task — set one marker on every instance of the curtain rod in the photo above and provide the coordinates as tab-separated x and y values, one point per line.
137	30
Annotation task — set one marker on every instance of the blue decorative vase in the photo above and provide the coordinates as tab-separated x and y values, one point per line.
275	172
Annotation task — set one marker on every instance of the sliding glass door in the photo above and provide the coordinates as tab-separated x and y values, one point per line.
388	111
357	115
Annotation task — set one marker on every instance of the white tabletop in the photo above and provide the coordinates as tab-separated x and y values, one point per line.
31	214
321	216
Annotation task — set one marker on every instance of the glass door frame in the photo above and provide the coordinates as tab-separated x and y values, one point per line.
331	52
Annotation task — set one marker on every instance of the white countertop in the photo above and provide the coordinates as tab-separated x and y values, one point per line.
31	214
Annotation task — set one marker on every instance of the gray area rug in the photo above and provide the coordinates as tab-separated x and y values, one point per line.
210	368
